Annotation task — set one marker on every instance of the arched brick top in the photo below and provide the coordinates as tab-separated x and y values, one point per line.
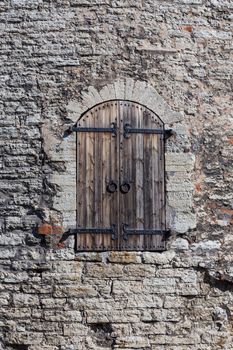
127	89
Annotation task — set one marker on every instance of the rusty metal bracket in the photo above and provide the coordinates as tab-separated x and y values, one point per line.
151	232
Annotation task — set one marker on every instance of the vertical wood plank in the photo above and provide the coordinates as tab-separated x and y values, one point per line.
81	186
115	169
104	159
139	178
162	189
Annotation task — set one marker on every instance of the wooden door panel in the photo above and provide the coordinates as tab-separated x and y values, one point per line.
97	165
133	158
141	159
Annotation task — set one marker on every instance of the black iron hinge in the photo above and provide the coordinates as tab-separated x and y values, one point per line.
129	130
85	230
151	232
112	129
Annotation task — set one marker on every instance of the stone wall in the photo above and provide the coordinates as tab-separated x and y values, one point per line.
54	56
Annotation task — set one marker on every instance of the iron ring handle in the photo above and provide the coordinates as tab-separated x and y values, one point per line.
124	187
111	187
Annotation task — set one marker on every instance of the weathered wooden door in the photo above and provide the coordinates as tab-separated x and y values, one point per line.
120	178
97	179
142	205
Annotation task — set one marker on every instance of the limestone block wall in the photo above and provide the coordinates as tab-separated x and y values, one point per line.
59	58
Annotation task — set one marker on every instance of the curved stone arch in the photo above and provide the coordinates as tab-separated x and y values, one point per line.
125	89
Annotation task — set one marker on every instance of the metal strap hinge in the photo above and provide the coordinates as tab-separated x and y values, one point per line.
111	230
152	232
129	130
112	129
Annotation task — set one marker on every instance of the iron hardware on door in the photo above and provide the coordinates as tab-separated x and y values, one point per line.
111	187
112	129
124	187
84	230
130	231
129	130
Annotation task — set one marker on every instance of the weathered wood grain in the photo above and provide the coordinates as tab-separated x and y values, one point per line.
138	160
97	166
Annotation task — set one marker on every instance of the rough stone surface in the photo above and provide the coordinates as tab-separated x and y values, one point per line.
58	59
